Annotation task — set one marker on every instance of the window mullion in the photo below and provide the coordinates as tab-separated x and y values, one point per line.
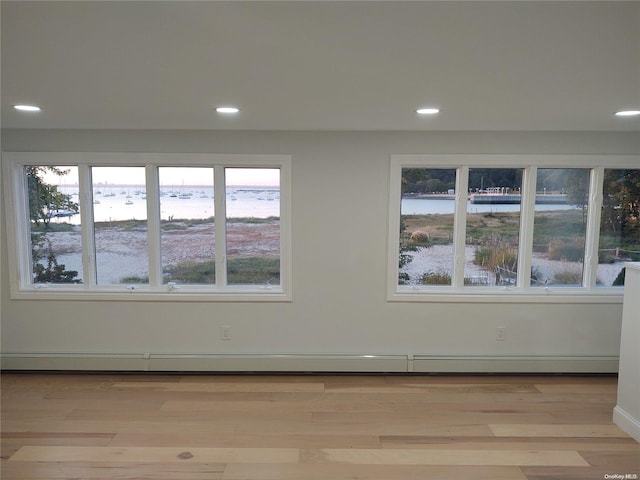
395	215
527	212
85	194
592	236
460	226
220	218
24	256
153	225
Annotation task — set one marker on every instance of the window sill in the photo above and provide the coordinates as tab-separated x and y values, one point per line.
232	294
507	295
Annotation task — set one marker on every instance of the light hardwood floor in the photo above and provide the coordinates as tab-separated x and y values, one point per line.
237	427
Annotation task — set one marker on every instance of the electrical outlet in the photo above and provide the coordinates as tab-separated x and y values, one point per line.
225	332
500	334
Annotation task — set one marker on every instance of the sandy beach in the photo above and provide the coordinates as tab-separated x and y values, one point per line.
123	252
438	259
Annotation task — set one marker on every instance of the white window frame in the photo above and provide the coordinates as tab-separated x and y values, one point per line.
16	203
522	293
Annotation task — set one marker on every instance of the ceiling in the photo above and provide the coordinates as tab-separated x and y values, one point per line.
320	65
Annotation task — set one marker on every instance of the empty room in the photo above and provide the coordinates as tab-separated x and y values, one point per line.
225	252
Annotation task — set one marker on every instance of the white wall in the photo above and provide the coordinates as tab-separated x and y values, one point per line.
340	194
627	412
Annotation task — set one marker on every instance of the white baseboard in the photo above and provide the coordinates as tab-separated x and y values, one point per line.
627	423
280	363
301	363
74	361
515	364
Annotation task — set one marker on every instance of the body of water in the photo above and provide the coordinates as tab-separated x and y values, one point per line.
118	203
423	206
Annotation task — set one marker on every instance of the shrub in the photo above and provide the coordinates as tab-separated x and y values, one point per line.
492	257
567	251
436	278
135	279
252	270
240	270
419	238
167	227
567	277
192	273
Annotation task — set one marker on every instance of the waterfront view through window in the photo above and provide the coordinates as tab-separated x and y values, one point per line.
483	237
156	228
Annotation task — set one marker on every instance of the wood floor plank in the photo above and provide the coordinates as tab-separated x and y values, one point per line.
453	418
445	457
224	387
125	426
114	470
155	454
542	379
188	415
12	442
581	445
154	397
575	473
437	388
311	427
368	472
556	431
623	461
270	407
236	440
577	389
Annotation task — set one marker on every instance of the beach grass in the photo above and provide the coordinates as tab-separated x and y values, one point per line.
240	271
561	225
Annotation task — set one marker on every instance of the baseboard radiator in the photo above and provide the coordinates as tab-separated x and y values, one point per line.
307	363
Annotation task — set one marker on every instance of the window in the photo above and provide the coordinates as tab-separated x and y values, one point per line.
507	225
187	225
253	226
426	227
54	224
150	226
120	228
493	227
560	227
619	225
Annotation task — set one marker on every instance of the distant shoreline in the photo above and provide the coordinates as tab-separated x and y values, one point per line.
493	198
431	196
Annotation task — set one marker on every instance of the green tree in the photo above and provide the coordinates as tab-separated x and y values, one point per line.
45	199
52	272
577	189
621	204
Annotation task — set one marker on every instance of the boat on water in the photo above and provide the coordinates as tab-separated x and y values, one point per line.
62	213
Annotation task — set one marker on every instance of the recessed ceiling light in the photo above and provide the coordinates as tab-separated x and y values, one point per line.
427	111
627	113
227	109
27	108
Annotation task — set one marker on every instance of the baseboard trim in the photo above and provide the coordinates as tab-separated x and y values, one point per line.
515	364
302	363
74	361
280	363
627	423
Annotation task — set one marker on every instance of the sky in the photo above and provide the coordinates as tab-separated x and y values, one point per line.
170	176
